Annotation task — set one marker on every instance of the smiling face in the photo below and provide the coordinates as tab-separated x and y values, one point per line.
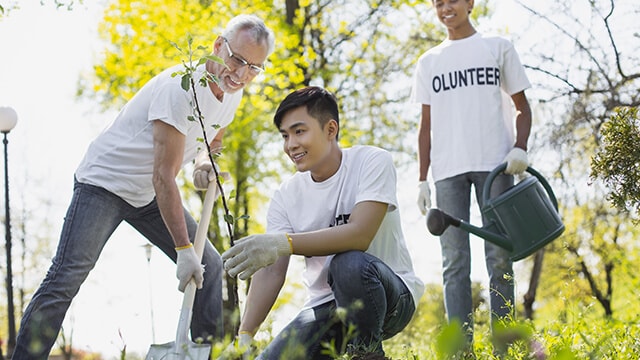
239	53
454	14
311	146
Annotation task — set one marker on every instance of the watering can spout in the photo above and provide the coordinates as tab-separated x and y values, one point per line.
438	221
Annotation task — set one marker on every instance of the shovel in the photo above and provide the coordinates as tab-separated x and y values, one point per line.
182	347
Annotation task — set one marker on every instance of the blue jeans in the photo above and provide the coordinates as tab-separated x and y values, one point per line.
377	303
453	196
93	215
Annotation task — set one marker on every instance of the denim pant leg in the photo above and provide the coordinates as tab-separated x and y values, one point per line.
499	266
91	218
207	306
386	307
453	196
303	337
377	301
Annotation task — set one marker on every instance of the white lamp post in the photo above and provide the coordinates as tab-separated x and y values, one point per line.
8	120
147	250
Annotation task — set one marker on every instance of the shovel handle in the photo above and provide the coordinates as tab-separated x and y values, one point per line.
198	243
205	218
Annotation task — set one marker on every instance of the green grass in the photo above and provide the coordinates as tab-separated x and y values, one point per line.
586	336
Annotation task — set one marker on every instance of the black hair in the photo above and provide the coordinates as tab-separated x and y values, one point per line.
320	103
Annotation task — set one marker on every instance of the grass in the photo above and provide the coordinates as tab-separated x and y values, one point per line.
575	329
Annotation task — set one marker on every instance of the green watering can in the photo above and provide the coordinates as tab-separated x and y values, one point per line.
522	219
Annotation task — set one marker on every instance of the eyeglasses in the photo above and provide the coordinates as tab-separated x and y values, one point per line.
240	62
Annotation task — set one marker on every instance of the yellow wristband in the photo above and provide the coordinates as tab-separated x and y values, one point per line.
245	332
184	247
290	242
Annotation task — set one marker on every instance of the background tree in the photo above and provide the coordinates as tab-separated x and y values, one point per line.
583	60
617	160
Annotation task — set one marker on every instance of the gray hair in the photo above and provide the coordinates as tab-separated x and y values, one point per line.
253	24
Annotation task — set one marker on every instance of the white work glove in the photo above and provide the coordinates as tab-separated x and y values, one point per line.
189	266
424	197
203	174
241	345
254	252
517	161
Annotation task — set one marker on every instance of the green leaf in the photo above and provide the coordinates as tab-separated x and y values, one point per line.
175	45
228	218
215	59
186	82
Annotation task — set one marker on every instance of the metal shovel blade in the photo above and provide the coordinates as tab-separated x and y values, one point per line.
169	351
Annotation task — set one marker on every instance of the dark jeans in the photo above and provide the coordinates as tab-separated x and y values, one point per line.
93	215
368	295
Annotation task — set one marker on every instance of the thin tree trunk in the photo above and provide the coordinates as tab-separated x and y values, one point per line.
530	296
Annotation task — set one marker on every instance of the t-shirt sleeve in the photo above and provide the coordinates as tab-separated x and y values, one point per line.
420	89
170	104
378	180
277	219
515	79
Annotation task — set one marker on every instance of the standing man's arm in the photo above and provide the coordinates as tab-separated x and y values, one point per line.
424	142
523	119
168	151
424	159
517	159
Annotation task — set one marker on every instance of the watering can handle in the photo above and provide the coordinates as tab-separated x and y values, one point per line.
486	191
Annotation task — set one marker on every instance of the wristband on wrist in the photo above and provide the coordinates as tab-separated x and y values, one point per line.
183	247
290	242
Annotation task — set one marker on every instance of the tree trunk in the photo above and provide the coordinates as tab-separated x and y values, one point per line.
530	296
292	6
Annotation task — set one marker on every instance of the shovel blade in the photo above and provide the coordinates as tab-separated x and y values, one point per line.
168	351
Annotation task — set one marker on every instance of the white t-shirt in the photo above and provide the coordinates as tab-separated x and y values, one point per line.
300	204
465	81
120	159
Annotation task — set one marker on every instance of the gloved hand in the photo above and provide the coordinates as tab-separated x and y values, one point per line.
189	266
254	252
424	197
517	161
203	173
240	346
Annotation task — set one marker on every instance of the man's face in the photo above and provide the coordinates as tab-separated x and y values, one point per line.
243	56
453	13
308	144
